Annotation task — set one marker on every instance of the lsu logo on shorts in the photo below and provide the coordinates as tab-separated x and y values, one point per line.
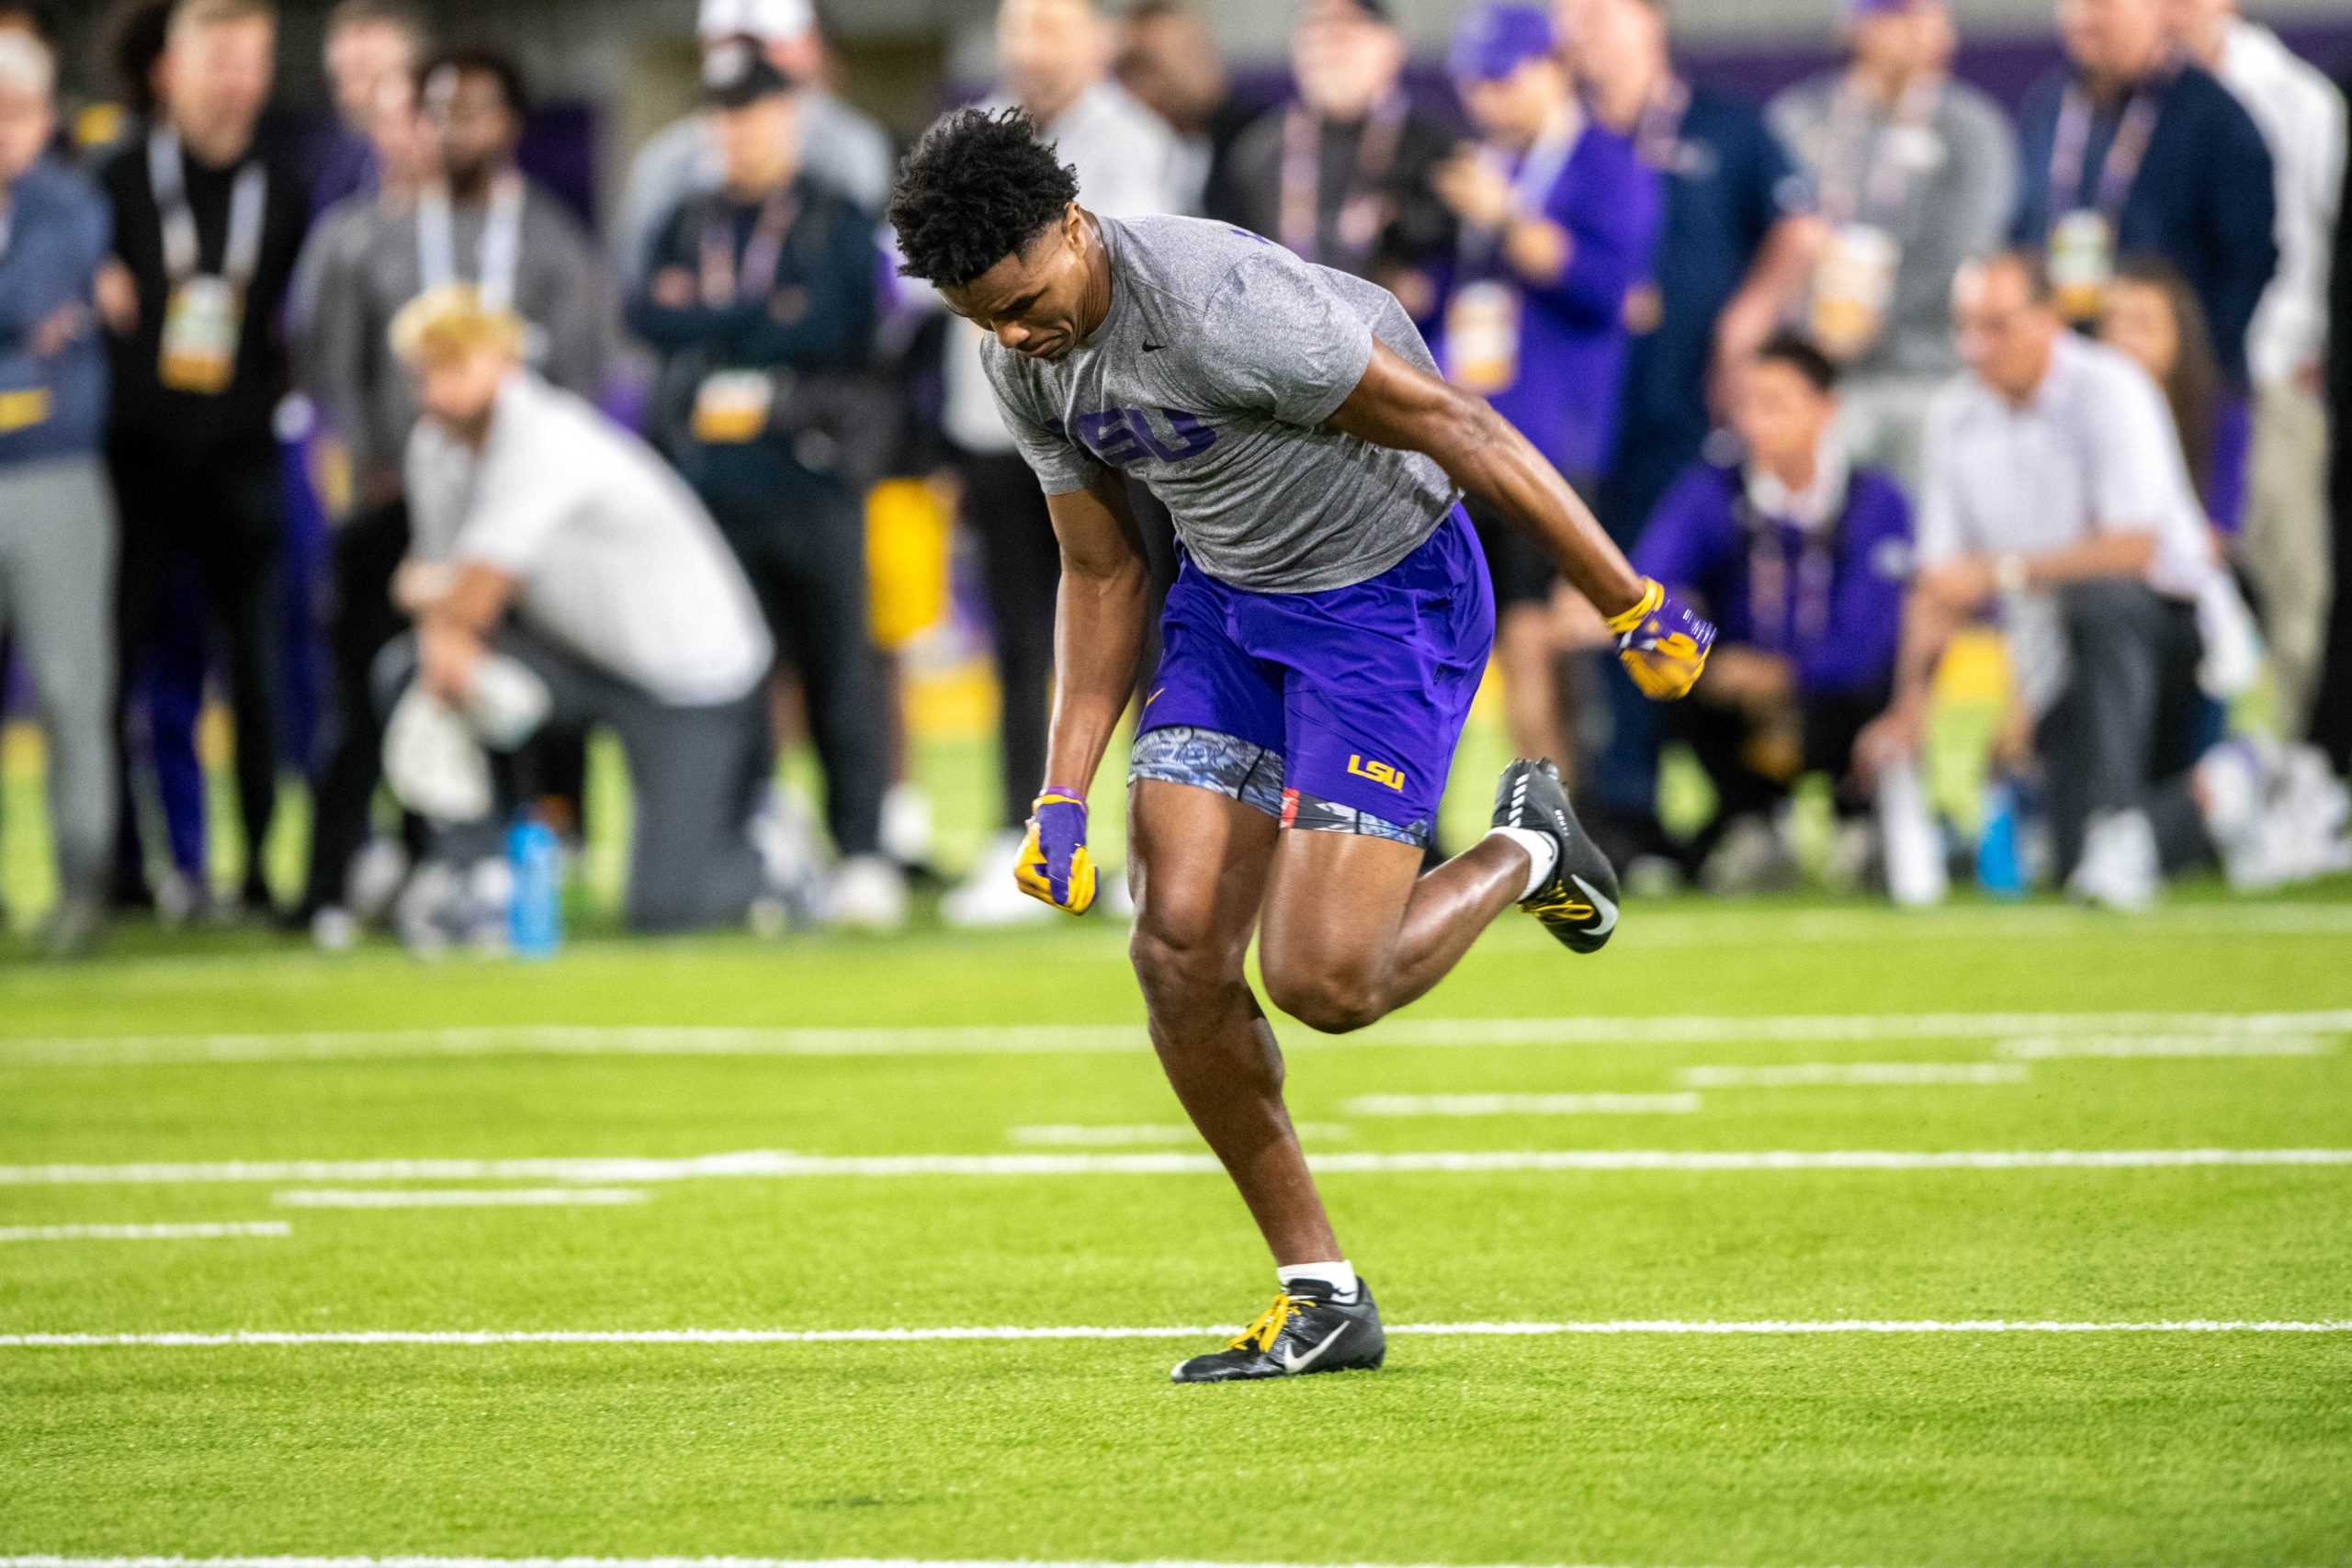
1378	772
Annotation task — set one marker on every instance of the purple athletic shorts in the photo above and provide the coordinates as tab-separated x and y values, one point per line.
1336	711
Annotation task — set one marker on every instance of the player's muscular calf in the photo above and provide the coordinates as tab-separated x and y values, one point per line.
1200	862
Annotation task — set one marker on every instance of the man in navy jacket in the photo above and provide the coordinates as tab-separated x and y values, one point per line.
2126	150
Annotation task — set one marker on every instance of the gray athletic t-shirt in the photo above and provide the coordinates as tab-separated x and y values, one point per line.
1210	380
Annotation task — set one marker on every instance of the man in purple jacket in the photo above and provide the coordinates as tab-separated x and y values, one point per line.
1802	560
1559	220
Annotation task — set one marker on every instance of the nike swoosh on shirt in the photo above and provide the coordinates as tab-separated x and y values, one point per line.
1608	910
1153	347
1295	1363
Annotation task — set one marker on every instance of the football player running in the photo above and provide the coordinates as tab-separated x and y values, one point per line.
1328	630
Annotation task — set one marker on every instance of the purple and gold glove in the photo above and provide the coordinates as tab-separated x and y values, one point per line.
1055	867
1663	644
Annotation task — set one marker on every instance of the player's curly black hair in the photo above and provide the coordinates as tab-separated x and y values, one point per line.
977	188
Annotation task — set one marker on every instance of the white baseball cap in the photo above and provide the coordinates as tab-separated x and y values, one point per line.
760	19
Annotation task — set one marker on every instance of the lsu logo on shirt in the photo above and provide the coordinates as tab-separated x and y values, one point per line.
1123	437
1380	773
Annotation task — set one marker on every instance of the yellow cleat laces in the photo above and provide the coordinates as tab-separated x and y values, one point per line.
1269	1326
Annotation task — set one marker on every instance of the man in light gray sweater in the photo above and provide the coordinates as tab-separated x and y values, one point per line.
1917	174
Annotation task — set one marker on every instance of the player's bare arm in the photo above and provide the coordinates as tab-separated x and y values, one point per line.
1098	627
1661	642
1399	406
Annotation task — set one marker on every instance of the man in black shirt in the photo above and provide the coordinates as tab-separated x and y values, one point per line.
1342	175
208	225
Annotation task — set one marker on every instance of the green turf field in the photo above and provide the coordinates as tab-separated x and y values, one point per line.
269	1089
2000	1235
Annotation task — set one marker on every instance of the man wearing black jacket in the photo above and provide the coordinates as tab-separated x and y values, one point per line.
207	226
761	294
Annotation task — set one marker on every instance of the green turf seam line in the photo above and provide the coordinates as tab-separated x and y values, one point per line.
266	1338
1467	1105
463	1197
1853	1075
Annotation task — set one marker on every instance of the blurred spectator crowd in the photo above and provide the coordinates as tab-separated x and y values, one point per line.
370	434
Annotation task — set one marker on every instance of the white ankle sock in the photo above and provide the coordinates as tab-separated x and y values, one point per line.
1340	1277
1541	850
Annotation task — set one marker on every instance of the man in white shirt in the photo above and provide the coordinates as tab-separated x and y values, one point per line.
1054	57
546	534
841	147
2301	116
2055	489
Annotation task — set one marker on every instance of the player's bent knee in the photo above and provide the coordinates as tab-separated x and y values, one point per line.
1330	998
1179	961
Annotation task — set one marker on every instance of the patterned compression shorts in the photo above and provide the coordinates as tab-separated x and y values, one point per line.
1253	776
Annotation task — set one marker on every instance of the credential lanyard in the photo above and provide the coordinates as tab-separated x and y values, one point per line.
1807	610
502	240
1538	173
1361	205
1855	186
183	250
2071	146
721	281
1657	135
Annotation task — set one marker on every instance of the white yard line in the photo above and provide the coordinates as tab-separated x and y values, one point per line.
1825	1075
1462	1105
461	1198
1066	1135
1764	1327
776	1164
270	1228
2054	1047
557	1040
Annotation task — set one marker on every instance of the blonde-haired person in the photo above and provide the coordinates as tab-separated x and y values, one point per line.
550	539
209	221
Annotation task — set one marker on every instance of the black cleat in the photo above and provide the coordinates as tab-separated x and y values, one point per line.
1304	1331
1578	905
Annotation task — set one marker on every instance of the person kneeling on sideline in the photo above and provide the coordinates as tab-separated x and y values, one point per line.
2056	491
1802	558
562	573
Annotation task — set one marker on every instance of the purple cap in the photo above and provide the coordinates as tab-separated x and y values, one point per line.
1497	39
1858	8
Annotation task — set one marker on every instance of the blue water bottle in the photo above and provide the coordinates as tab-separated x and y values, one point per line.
535	917
2000	857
